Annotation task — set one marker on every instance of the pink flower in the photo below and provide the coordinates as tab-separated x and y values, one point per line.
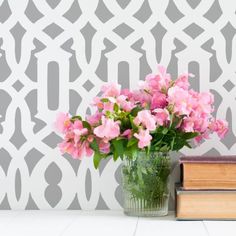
105	106
182	81
128	106
127	93
158	101
76	141
123	102
63	122
90	138
165	77
69	136
78	133
155	83
109	129
144	138
181	100
152	83
200	124
66	147
111	90
141	97
108	106
206	98
77	151
205	101
127	133
78	130
220	127
104	147
198	139
82	149
201	137
94	119
97	102
77	125
188	125
161	115
146	119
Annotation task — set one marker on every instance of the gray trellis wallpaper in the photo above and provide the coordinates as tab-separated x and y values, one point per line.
55	55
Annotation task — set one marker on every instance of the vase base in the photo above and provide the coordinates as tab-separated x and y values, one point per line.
146	213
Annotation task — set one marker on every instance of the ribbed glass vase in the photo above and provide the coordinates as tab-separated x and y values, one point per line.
145	179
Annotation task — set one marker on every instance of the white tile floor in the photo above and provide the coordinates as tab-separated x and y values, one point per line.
105	223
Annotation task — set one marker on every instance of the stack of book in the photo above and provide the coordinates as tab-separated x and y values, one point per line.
208	189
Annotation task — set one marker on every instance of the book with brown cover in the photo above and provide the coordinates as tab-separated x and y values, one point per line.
205	204
208	172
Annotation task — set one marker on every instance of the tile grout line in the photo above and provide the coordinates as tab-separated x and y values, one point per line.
136	226
204	225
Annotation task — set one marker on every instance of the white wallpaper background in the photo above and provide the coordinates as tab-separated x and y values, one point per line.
55	55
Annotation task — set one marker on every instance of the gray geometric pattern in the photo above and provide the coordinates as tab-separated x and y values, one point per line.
56	54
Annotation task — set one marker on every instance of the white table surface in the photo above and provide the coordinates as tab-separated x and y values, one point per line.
105	223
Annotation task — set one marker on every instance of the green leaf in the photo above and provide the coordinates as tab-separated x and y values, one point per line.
140	176
179	143
135	110
96	159
73	118
172	143
187	145
157	143
94	145
132	141
116	107
165	130
134	127
175	121
157	139
86	125
190	135
120	138
108	113
118	148
115	155
104	100
164	148
131	151
147	149
144	170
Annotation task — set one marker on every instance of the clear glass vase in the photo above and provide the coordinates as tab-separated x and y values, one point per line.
145	179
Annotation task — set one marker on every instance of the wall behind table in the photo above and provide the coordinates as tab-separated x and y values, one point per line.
55	55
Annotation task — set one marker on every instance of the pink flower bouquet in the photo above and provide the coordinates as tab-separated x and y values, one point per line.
162	115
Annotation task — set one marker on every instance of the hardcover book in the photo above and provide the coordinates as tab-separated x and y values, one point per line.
198	172
205	204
